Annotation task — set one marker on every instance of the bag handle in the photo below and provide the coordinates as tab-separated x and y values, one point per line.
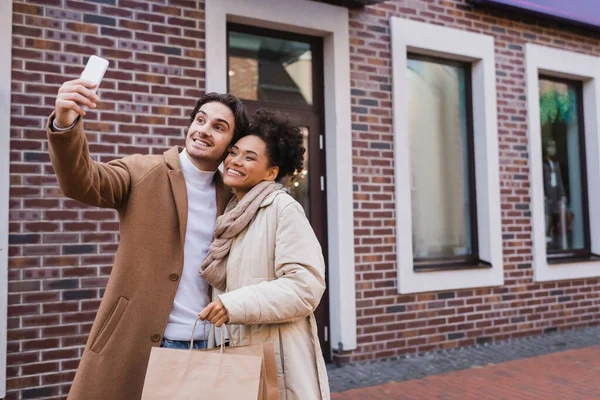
204	333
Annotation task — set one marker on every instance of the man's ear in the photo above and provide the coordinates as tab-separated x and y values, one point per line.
272	173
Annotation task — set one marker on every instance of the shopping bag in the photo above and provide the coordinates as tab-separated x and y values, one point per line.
269	384
188	374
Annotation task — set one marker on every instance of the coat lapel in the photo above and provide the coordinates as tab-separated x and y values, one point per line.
178	188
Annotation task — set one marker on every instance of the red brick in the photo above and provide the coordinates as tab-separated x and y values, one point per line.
20	8
52	355
40	368
22	382
118	12
52	379
60	330
40	344
136	25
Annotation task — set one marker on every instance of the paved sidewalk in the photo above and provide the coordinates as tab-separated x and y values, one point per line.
368	374
566	375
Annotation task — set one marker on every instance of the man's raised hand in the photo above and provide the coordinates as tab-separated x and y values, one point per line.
72	95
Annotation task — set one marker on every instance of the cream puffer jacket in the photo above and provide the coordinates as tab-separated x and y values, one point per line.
275	280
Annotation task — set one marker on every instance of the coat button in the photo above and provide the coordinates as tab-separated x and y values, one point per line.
173	277
155	337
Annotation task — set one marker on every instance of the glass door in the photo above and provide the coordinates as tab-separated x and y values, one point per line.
283	72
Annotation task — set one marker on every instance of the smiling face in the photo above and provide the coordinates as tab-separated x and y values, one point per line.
209	136
247	165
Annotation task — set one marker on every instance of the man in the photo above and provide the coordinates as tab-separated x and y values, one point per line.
167	206
555	199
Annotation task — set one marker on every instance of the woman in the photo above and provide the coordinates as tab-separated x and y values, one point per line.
266	258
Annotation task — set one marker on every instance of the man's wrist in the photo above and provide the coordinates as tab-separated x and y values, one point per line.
58	129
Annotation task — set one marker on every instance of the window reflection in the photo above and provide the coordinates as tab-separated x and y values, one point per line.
270	69
442	213
298	184
562	166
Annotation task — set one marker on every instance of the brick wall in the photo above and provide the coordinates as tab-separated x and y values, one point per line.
61	251
390	324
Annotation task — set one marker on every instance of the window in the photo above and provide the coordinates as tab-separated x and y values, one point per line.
563	131
444	218
563	157
447	195
282	71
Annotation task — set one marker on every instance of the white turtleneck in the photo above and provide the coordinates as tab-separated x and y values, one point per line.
193	293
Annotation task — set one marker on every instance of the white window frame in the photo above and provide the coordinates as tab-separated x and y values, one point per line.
477	49
586	69
331	23
5	92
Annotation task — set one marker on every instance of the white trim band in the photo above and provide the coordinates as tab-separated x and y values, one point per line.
5	92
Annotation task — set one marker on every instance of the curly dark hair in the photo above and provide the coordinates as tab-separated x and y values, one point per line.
235	105
284	140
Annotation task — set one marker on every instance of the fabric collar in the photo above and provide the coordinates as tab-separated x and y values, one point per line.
192	174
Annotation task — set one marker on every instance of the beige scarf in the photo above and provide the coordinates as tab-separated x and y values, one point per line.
234	220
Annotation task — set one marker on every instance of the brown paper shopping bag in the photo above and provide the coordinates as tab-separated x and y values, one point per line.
188	374
269	384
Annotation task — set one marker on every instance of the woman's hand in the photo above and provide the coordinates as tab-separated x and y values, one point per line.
215	313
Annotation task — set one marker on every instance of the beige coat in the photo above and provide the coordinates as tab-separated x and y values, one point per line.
275	280
150	196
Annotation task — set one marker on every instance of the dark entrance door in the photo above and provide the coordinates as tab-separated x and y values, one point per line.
283	72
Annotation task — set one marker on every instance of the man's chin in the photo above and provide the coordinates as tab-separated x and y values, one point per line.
200	157
197	153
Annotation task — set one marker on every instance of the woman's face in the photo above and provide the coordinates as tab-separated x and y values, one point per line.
247	165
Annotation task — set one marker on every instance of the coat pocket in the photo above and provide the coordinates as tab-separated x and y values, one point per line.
109	325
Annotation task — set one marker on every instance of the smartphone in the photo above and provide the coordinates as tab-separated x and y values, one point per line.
94	70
